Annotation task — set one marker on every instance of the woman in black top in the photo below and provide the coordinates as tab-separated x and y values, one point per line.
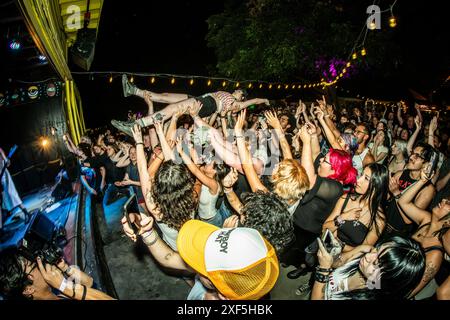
359	219
326	186
432	228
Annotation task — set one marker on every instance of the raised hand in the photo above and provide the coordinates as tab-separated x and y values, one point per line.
433	124
230	179
311	128
418	122
273	120
137	133
319	113
304	135
238	128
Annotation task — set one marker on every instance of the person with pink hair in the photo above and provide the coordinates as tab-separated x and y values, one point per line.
328	176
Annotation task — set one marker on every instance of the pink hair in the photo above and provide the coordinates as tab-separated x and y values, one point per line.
341	163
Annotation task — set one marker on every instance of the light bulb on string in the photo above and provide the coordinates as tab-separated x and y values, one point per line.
279	86
224	84
270	86
250	85
191	82
111	79
260	86
348	64
237	84
208	83
392	22
354	56
363	52
372	25
152	80
286	86
132	79
172	81
293	86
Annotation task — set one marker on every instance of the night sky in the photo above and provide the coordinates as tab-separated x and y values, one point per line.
169	37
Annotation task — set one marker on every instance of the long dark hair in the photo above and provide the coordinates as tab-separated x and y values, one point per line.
402	265
377	192
173	193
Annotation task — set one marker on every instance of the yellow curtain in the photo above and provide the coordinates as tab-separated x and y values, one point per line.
44	22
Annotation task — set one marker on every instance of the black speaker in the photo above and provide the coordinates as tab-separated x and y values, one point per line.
84	48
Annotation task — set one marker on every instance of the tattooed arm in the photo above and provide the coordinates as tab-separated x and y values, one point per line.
433	263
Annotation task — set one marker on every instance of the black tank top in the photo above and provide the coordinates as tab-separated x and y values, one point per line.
351	232
395	225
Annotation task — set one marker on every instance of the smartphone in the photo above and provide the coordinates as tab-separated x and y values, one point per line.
432	165
327	240
131	206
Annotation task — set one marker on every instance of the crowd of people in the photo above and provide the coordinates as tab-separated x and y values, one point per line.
355	196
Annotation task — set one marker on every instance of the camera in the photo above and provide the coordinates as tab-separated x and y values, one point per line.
42	239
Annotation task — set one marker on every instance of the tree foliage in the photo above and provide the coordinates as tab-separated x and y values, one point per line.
279	40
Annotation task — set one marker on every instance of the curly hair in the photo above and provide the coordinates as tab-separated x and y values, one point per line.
13	279
267	213
173	193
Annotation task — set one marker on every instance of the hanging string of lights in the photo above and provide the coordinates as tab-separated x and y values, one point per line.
358	51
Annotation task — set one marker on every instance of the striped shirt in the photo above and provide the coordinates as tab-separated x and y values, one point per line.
226	100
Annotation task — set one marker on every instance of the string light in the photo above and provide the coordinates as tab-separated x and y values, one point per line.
270	86
392	21
354	56
363	52
279	86
348	64
224	84
111	79
191	82
209	83
293	86
153	80
250	85
260	86
286	86
172	81
372	25
237	84
132	79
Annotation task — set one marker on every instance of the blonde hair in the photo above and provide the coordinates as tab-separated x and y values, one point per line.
290	180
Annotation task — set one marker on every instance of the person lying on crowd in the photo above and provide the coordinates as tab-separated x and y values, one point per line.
431	227
229	263
389	271
36	280
211	102
358	218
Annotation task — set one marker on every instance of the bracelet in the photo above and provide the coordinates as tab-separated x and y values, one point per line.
63	285
321	277
137	143
239	137
67	272
147	234
151	242
319	269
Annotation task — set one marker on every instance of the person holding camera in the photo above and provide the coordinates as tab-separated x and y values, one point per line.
37	280
389	271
